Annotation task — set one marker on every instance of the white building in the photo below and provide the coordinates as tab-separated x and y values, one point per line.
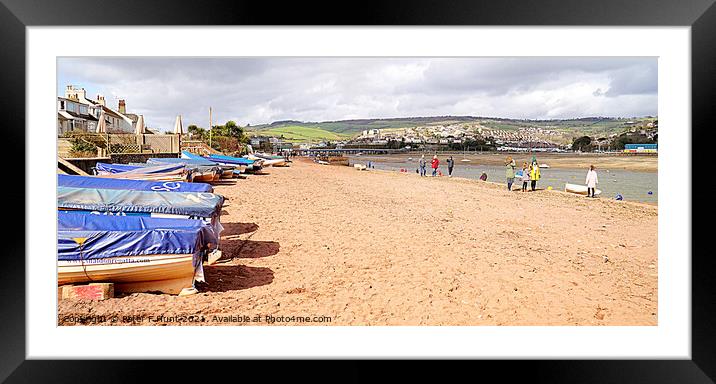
76	100
371	133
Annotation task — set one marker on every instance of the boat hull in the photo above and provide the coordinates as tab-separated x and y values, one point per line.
579	189
204	177
151	273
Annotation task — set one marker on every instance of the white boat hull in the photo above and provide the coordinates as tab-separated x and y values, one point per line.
579	189
150	273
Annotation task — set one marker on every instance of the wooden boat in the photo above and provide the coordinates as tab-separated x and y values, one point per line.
579	189
156	273
203	177
135	253
148	173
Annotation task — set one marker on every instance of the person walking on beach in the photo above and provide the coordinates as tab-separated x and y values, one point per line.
435	164
510	172
451	164
422	163
591	181
534	175
525	176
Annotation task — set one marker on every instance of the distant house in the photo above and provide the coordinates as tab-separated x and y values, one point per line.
257	141
371	133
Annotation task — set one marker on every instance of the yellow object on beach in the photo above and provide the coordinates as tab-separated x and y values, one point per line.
549	188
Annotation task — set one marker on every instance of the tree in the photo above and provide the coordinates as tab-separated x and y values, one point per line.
631	138
233	130
582	144
196	132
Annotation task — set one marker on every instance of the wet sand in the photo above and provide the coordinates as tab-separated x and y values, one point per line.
344	247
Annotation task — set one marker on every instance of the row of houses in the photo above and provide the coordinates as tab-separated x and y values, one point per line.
77	113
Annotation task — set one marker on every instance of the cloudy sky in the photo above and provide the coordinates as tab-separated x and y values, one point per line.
263	90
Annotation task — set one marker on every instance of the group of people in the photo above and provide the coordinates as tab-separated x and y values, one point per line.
434	164
530	173
529	176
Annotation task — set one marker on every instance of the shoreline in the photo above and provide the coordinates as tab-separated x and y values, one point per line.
616	161
502	185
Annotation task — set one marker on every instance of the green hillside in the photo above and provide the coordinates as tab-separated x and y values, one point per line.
349	128
301	133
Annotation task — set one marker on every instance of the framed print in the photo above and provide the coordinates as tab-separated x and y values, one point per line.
465	181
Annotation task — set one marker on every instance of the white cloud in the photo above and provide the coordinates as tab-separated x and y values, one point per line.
262	90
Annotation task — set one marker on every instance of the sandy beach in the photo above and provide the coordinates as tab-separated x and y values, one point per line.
344	247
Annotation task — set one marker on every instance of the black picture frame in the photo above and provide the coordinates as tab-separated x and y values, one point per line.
700	15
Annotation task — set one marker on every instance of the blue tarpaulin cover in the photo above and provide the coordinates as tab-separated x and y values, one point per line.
200	165
134	185
119	168
189	155
114	168
230	160
195	204
129	236
202	161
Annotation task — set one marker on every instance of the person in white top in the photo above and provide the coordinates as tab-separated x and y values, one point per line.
591	181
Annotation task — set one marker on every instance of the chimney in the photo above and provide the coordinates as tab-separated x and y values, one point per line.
100	100
71	92
122	106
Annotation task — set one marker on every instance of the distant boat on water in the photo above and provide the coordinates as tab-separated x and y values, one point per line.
544	166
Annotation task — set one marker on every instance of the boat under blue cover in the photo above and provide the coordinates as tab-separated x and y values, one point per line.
230	159
106	237
149	169
134	185
192	204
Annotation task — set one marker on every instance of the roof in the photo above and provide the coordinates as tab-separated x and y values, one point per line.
65	115
110	112
80	115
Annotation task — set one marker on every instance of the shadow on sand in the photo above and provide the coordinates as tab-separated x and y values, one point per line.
223	182
222	278
235	229
248	249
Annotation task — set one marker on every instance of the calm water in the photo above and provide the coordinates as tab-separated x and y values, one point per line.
632	185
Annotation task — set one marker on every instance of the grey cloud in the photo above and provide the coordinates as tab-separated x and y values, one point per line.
262	90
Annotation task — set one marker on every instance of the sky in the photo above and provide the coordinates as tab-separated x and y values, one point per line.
263	90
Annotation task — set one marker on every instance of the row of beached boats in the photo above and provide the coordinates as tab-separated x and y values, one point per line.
145	227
